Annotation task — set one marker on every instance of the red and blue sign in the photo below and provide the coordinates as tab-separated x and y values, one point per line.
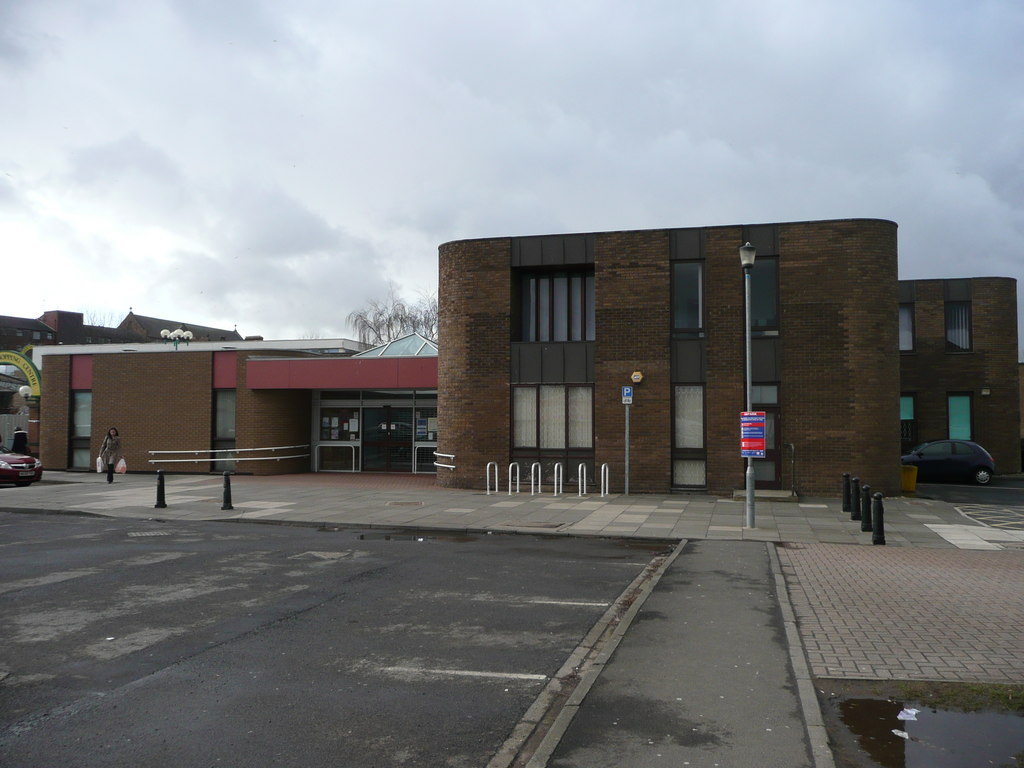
752	434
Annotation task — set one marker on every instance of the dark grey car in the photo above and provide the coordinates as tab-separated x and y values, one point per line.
944	460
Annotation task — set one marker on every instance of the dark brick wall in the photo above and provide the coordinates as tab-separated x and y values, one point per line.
632	334
838	351
272	417
157	401
930	372
55	411
164	402
474	294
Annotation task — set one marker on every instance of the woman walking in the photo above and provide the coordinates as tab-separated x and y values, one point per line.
110	451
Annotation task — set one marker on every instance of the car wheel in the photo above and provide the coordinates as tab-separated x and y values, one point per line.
982	475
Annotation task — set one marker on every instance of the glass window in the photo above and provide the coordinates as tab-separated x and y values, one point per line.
556	306
959	409
524	417
224	414
81	414
580	403
906	407
689	431
958	326
689	472
906	327
553	417
764	394
764	295
687	296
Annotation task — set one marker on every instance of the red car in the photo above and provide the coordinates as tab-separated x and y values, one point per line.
18	468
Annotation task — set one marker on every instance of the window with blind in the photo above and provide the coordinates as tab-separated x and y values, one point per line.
556	306
958	326
553	417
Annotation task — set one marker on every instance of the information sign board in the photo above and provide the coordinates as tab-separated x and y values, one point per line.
752	441
627	395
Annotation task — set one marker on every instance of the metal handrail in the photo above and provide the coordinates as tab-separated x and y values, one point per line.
445	456
235	450
207	461
339	445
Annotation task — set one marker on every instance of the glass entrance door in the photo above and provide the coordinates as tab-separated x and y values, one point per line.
387	439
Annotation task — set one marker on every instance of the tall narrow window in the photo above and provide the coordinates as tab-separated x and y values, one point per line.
764	295
556	306
687	296
524	417
908	423
689	458
958	326
81	430
906	327
224	429
959	412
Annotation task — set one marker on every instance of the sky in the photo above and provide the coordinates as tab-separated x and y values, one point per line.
276	165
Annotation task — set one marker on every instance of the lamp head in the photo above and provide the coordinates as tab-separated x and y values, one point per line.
747	255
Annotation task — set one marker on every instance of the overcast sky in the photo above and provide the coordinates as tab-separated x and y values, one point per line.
275	164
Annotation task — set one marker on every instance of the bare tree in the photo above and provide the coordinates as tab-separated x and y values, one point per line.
384	320
103	318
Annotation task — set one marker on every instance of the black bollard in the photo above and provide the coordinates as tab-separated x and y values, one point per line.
227	492
878	516
855	499
160	502
846	491
865	508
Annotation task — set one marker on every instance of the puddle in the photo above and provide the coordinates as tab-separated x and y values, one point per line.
936	739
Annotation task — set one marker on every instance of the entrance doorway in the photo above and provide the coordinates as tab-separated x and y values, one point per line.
387	439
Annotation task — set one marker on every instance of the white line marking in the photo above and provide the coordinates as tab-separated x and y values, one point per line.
465	673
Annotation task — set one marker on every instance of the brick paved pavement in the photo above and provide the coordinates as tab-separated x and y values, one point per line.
907	613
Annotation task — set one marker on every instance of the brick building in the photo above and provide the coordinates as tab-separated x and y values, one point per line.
539	334
958	364
254	406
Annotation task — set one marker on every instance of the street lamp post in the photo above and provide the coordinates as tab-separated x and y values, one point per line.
176	336
747	255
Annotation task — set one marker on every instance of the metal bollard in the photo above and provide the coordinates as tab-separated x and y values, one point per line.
855	499
878	517
227	492
161	503
846	491
865	508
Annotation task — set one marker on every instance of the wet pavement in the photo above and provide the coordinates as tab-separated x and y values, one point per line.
940	601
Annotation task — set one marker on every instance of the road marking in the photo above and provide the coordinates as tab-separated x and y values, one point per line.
465	673
577	603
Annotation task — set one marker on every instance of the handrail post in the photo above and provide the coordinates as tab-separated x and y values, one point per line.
516	465
559	478
581	479
535	470
496	478
604	480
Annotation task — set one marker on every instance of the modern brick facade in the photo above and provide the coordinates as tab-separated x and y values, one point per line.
832	360
985	375
166	400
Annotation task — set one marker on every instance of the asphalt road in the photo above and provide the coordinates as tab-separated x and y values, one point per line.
141	643
1000	504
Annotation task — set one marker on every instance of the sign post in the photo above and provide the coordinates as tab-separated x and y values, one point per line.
627	400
